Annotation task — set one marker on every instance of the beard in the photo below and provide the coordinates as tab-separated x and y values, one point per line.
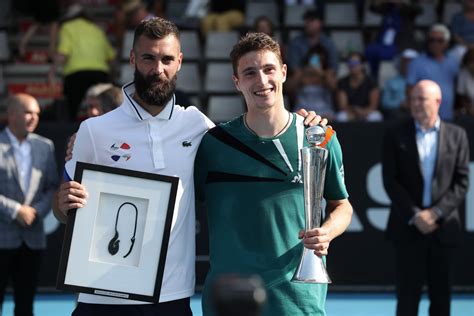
152	89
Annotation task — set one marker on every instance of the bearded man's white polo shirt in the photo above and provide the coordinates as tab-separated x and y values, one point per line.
130	138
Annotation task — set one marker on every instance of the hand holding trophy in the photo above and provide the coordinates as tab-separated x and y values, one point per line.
311	267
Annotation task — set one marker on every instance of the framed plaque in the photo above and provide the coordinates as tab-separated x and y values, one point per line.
116	245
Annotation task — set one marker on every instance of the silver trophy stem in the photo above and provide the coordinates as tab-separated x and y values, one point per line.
311	267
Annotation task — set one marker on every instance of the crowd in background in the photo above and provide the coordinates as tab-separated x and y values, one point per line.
89	55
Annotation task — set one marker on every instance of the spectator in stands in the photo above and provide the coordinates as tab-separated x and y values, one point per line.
263	24
436	65
86	53
90	103
29	178
107	100
357	93
316	83
465	84
298	47
393	102
396	31
44	13
128	15
462	27
223	16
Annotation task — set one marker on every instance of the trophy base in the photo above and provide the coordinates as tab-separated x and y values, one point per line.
311	269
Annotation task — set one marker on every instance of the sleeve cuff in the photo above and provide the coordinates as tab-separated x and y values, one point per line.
438	212
412	219
15	211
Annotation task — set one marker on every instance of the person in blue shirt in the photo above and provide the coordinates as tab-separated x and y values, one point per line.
436	65
393	103
425	168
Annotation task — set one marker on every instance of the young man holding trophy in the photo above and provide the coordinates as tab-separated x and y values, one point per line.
249	171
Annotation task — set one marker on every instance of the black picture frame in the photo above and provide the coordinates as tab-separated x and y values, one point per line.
87	264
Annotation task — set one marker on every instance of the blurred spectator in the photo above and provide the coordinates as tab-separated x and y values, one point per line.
195	10
396	33
44	13
223	16
29	178
263	24
437	66
394	90
462	27
357	93
465	84
90	101
128	14
85	51
109	100
312	35
315	84
102	98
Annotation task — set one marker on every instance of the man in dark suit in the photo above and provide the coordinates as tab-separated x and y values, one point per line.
425	173
28	178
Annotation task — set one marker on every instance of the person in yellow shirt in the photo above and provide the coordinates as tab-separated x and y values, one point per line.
86	54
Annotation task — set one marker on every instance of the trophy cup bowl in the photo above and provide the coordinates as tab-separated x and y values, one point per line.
311	268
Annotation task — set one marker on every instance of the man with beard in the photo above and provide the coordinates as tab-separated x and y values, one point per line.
154	129
160	137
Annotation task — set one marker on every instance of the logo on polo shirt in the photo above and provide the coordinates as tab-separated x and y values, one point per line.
187	143
121	151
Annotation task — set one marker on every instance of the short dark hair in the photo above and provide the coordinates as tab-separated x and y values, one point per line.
155	28
253	42
312	14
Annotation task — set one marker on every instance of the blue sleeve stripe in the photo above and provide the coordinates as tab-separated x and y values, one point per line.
66	177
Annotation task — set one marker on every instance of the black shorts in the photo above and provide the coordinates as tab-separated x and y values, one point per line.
172	308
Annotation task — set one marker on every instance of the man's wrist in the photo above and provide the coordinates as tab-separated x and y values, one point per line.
16	211
437	211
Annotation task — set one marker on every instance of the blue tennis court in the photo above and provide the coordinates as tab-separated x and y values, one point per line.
338	304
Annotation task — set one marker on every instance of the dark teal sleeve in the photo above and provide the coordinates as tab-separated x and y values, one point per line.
334	186
200	170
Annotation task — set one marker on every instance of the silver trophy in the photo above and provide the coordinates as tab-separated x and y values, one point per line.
311	267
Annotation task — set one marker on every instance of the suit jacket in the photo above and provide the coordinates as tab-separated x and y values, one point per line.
403	181
43	183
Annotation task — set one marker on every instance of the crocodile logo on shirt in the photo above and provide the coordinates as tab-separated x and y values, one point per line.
187	143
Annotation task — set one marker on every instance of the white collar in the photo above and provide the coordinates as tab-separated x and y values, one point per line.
436	126
135	109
